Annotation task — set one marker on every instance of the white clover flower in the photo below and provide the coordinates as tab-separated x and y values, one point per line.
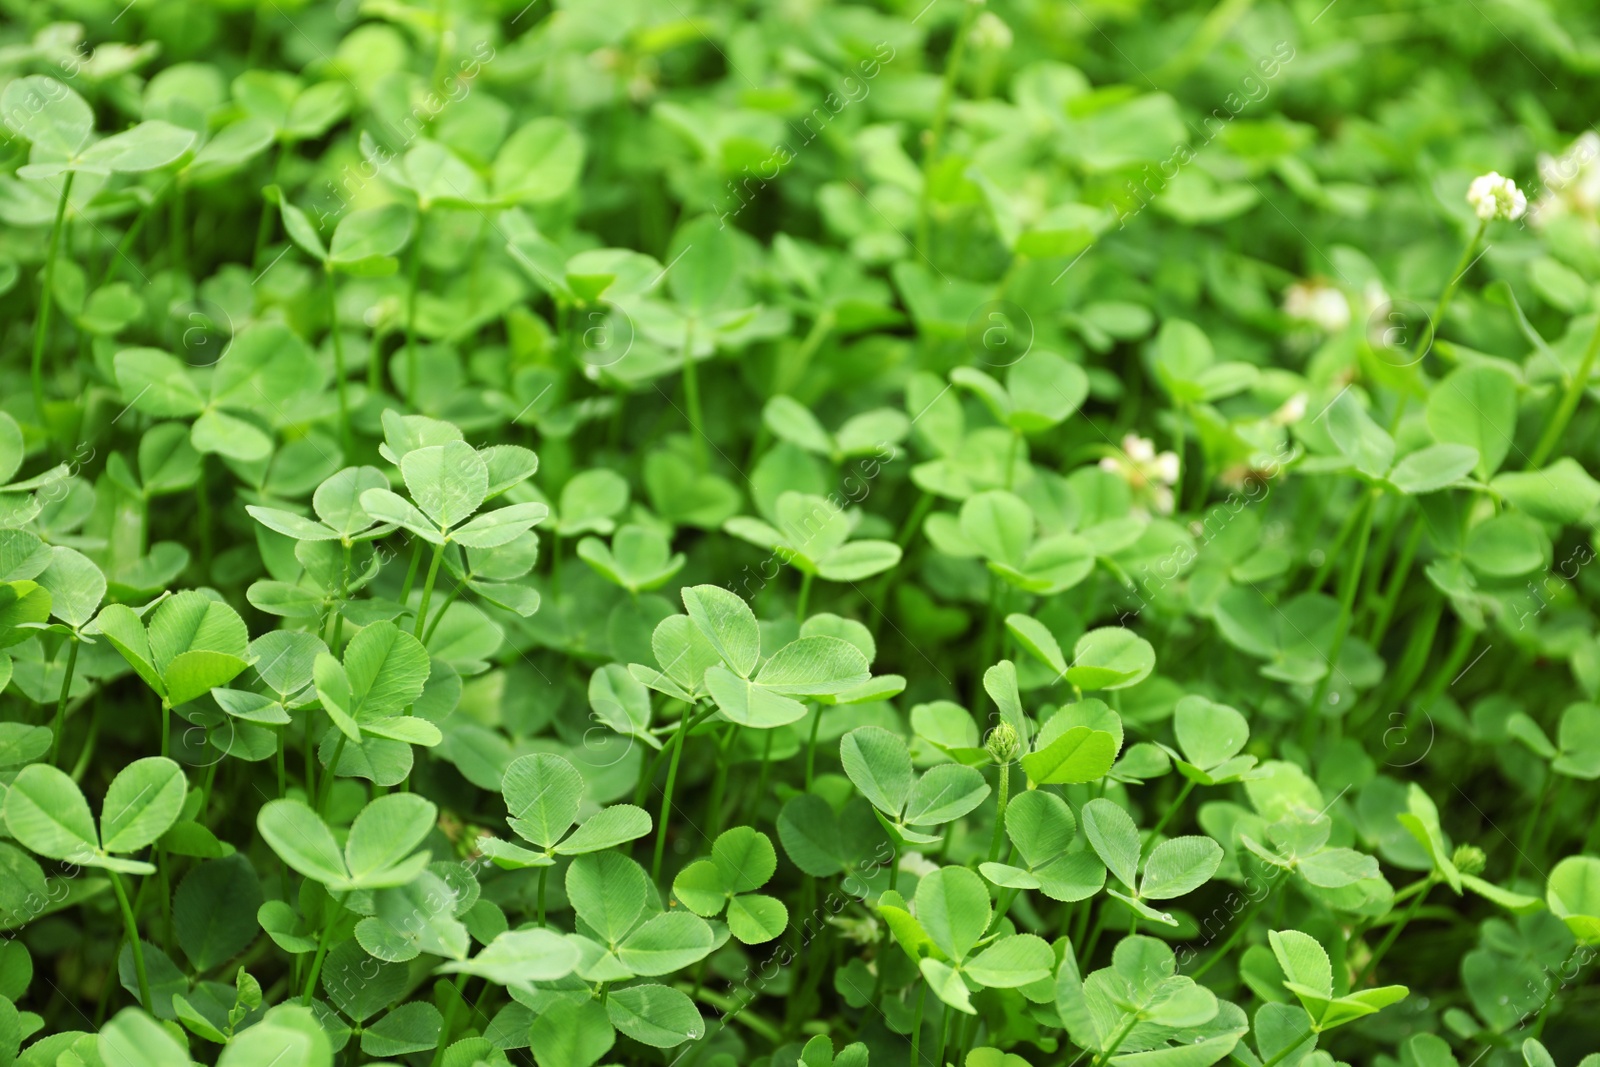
1317	303
990	31
1290	411
1150	475
1571	184
1495	197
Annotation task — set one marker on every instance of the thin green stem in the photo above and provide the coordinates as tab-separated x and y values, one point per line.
685	724
41	328
916	1022
413	283
1222	950
1000	812
335	907
811	745
691	398
329	775
1568	405
543	876
941	115
1177	802
1347	599
1394	931
427	590
340	384
449	1017
804	597
61	704
134	944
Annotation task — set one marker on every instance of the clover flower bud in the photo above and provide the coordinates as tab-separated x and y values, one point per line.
1469	859
1002	743
1495	197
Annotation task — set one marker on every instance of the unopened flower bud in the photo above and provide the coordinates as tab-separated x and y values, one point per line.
1002	743
1469	859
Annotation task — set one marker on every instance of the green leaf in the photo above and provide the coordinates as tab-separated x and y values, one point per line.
147	146
1113	837
518	956
879	765
448	482
1209	734
302	840
1573	893
1178	866
607	828
1111	657
387	669
543	793
1000	524
412	1027
214	911
814	666
953	907
727	622
132	1038
1304	960
1433	468
1078	755
655	1015
666	943
944	793
755	918
47	114
608	892
369	233
1561	493
571	1033
144	800
744	858
1366	444
383	838
76	586
1009	962
45	812
1476	405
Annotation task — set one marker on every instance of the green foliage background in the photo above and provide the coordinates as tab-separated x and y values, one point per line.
704	533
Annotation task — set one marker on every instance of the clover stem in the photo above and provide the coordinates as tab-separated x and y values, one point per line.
666	796
1116	1040
811	745
132	234
894	867
1530	823
61	704
1222	950
1397	581
427	588
202	508
1347	599
944	1033
326	789
450	1018
941	114
375	361
1177	802
1283	1053
691	398
804	597
41	328
719	783
766	770
1000	811
1568	405
413	281
133	940
166	728
1430	328
283	771
411	571
543	875
335	907
338	361
178	229
1394	931
916	1022
913	523
438	616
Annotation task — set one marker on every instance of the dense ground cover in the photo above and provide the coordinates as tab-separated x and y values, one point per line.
665	532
